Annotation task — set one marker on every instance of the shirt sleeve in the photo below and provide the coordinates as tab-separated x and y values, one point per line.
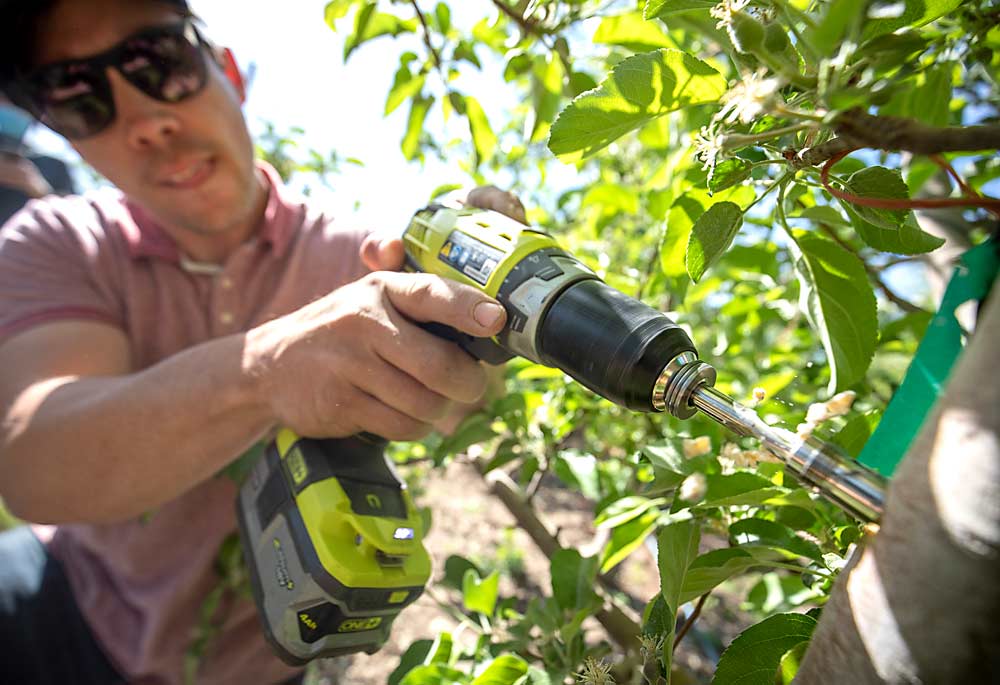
56	264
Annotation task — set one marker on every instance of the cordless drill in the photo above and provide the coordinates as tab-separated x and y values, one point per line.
329	531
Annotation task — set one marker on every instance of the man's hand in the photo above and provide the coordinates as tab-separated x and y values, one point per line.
20	173
386	254
356	360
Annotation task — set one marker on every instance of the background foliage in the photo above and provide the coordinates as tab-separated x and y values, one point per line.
708	144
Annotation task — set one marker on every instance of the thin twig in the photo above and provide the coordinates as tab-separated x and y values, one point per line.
691	619
427	35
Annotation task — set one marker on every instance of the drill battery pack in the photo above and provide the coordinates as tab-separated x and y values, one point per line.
333	544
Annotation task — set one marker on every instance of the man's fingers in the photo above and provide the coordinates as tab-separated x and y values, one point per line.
382	254
491	197
423	298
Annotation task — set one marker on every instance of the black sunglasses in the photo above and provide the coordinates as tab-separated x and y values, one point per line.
74	97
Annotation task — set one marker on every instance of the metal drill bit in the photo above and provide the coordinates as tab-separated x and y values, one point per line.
855	488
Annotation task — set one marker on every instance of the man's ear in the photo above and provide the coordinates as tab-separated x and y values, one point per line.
232	71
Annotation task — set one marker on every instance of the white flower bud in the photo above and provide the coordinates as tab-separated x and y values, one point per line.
693	488
697	446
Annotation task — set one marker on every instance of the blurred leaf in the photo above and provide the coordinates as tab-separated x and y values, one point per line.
474	429
754	656
413	657
455	567
483	138
662	8
735	489
639	88
711	236
414	126
336	10
580	470
625	509
506	669
480	594
831	29
434	674
370	24
914	13
573	577
631	31
840	306
625	538
855	433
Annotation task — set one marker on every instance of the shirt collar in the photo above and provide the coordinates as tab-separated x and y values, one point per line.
146	237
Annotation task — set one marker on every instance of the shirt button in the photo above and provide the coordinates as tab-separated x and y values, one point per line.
226	283
226	318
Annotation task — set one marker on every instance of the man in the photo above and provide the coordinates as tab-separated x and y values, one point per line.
149	338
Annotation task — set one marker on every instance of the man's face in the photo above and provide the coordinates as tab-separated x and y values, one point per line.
189	163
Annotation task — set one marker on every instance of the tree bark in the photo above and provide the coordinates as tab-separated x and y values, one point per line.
921	602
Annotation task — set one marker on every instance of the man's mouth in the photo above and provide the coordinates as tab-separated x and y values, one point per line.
189	175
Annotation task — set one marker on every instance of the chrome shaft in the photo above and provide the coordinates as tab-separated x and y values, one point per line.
852	486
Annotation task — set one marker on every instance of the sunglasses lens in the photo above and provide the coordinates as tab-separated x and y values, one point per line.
167	66
75	101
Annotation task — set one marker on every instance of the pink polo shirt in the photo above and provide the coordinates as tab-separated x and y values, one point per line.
141	583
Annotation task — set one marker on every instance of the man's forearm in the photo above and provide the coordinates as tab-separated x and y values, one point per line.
137	440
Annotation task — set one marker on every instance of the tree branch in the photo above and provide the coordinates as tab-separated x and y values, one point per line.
427	35
691	619
900	133
621	627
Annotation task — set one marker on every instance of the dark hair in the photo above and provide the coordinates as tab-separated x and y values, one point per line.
18	28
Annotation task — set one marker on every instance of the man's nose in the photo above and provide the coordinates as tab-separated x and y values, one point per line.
149	124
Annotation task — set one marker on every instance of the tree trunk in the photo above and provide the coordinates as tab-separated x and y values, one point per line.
921	602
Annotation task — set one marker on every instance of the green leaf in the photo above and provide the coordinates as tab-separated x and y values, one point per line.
506	669
711	236
669	465
855	433
631	31
455	567
789	666
738	489
712	568
639	89
442	14
414	126
579	469
762	532
677	548
729	173
754	656
573	578
483	138
823	214
927	100
404	87
441	651
370	24
336	10
474	429
412	658
662	8
890	230
611	198
444	189
624	510
831	29
839	304
480	594
625	538
548	75
915	13
434	674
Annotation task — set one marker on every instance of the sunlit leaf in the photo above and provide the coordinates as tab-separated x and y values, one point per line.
662	8
506	669
638	89
415	126
711	236
840	305
483	138
480	594
631	31
890	230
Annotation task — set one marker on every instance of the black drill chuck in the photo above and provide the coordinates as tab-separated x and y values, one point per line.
612	343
